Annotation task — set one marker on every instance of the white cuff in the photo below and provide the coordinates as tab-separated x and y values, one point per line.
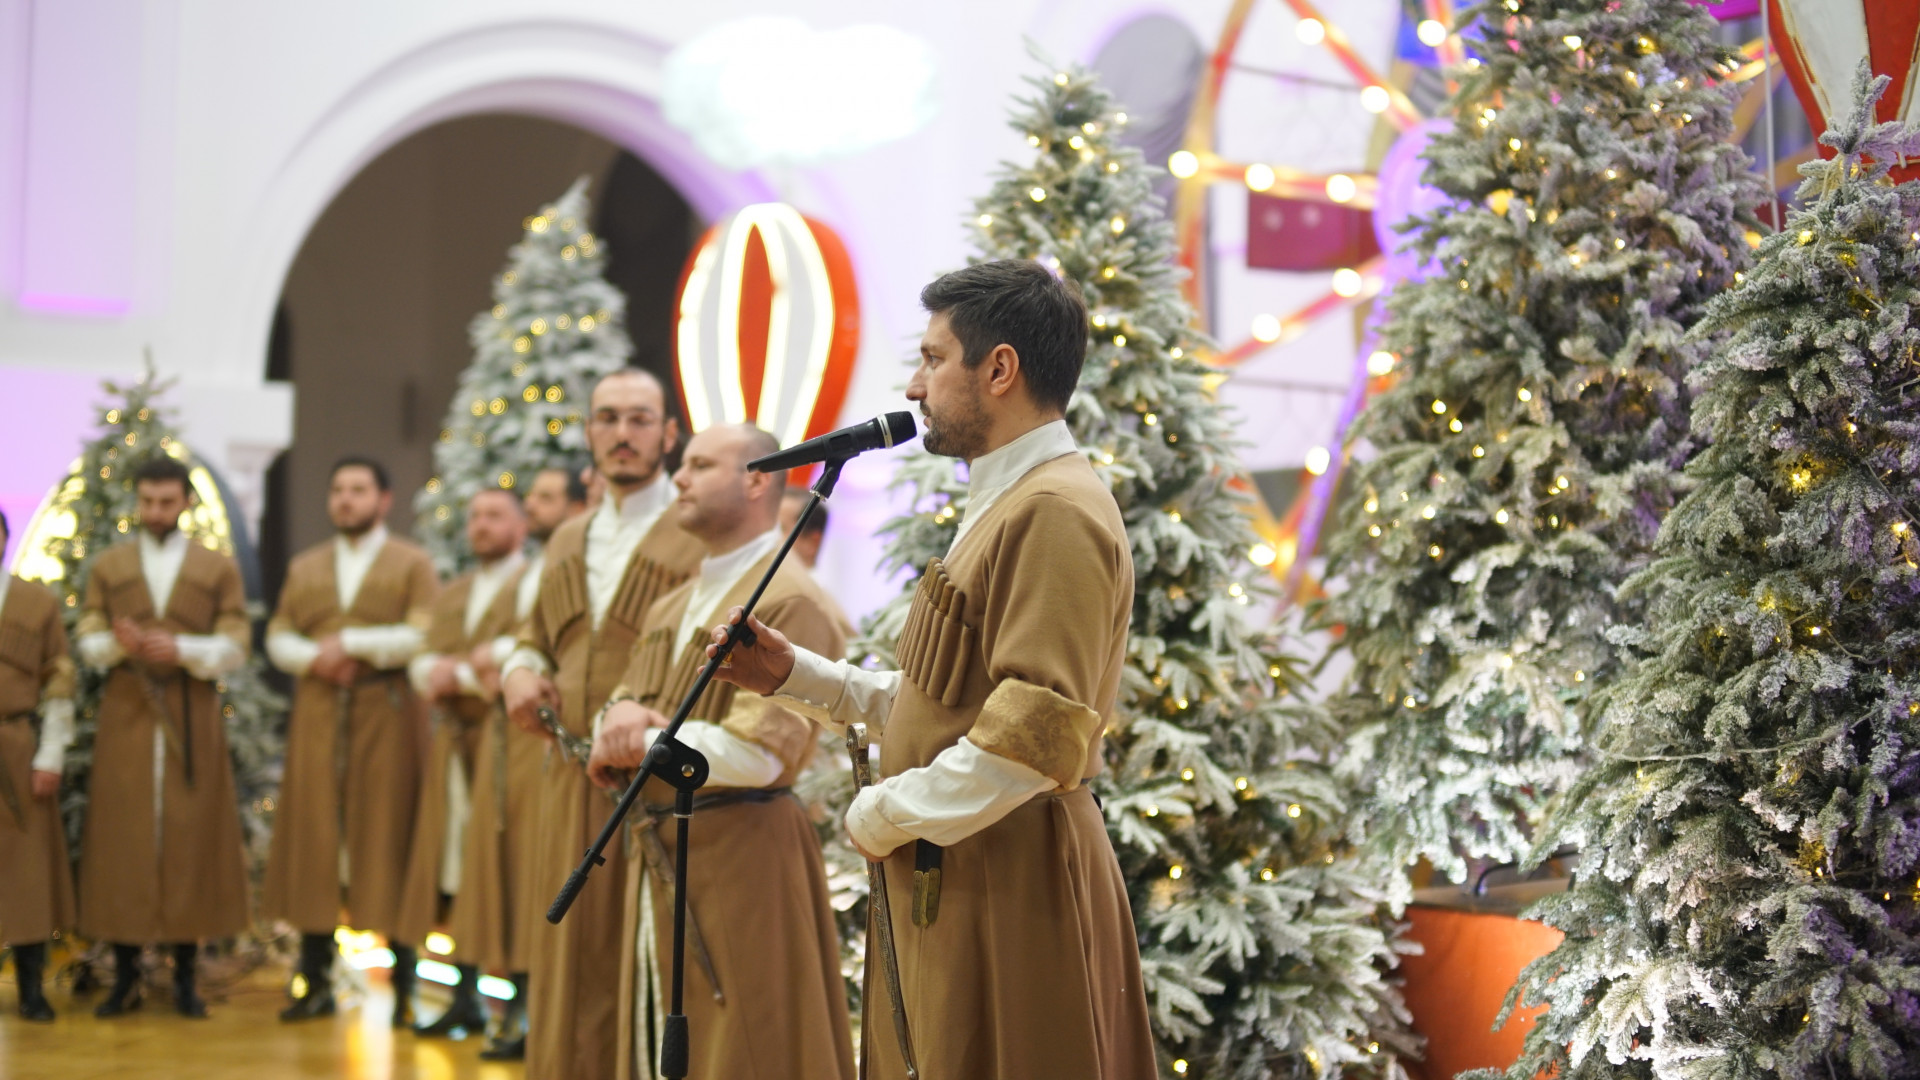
208	656
469	682
526	656
292	653
56	732
962	791
383	647
101	649
731	760
835	693
503	648
420	673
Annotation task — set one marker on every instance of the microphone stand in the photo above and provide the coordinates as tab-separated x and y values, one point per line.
685	769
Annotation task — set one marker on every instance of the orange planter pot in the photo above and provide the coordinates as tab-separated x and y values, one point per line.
1455	988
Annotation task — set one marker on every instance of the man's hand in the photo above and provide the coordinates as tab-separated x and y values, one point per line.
443	679
485	671
128	633
333	664
45	784
621	744
762	667
159	648
525	691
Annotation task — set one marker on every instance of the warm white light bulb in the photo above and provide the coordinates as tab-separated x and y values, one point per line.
1310	31
1347	282
1259	177
1380	363
1341	188
1266	328
1183	164
1318	458
1431	33
1375	99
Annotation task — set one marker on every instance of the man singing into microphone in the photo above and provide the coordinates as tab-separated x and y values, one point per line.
1016	945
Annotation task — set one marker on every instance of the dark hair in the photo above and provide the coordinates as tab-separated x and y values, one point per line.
5	529
161	469
1022	304
815	524
576	486
358	461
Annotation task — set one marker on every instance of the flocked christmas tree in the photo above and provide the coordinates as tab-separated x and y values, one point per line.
101	499
1747	905
555	327
1264	943
1529	446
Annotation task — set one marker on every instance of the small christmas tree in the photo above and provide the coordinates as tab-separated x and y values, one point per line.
555	327
1528	448
100	497
1265	944
1746	905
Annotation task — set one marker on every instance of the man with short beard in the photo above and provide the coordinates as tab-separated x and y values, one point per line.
1016	946
161	860
765	997
493	915
36	724
353	611
604	571
465	613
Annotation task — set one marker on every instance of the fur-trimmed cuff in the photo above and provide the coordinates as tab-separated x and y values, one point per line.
1037	728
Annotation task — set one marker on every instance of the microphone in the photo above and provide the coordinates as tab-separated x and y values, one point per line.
877	433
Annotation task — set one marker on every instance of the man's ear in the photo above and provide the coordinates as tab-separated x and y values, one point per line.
1003	370
670	430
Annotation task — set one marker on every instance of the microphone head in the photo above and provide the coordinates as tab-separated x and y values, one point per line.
899	427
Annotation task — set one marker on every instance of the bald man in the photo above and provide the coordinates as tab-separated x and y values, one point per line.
766	1000
604	571
464	614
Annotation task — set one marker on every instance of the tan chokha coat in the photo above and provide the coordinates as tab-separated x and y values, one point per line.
183	877
1016	640
36	886
502	838
756	884
386	735
574	969
458	729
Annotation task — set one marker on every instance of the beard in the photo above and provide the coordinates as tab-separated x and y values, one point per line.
634	470
358	527
957	430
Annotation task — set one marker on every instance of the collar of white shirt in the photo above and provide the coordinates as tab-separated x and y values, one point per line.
990	475
638	508
718	575
160	562
366	546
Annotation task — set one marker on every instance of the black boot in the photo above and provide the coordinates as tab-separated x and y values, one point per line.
405	959
509	1042
29	965
467	1014
316	968
126	995
186	956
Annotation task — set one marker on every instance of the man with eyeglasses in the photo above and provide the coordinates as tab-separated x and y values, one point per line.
603	572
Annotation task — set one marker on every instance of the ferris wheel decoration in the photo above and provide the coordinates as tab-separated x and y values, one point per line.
1387	196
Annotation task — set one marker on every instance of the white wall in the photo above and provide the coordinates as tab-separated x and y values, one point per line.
161	160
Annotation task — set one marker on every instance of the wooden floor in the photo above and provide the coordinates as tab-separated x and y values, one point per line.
242	1040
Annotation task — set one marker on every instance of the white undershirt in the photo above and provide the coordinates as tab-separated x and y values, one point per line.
56	717
488	580
382	647
964	789
614	531
204	656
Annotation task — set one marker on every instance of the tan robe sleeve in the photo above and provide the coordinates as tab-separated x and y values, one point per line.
56	661
1044	635
230	620
779	730
93	610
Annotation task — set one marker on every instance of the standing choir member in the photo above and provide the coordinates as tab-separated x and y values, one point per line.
464	614
36	724
603	573
765	998
353	611
497	888
162	860
1016	945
